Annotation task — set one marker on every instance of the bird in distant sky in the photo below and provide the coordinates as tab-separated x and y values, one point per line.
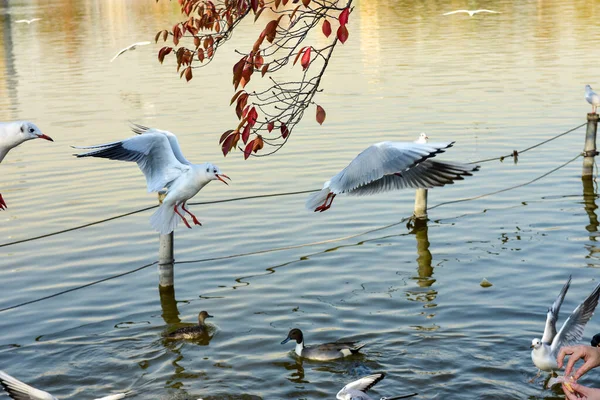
13	134
27	21
128	48
472	12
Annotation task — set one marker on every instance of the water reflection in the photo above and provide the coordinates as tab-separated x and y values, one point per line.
589	204
8	71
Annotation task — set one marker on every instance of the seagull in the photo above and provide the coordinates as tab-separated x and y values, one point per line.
471	12
13	134
389	166
27	21
159	156
130	47
357	390
545	350
422	138
18	390
592	98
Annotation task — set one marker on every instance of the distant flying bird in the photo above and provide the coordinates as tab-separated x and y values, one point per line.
13	134
387	166
18	390
159	156
128	48
472	12
357	390
28	21
592	98
544	351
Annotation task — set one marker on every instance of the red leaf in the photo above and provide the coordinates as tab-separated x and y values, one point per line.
241	104
252	116
246	133
342	34
201	55
284	131
343	18
224	135
326	28
264	69
258	143
163	52
306	2
235	96
238	68
228	144
298	55
188	74
320	115
248	149
270	126
254	4
305	61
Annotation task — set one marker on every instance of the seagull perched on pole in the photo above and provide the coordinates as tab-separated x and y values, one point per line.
592	98
27	21
13	134
18	390
159	156
357	390
128	48
544	351
472	12
387	166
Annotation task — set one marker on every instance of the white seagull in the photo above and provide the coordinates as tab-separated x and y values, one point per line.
387	166
18	390
472	12
27	21
159	156
545	350
13	134
357	390
592	98
128	48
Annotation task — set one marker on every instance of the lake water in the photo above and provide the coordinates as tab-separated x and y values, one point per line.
493	83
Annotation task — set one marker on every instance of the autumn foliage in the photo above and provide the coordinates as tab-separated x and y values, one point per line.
266	117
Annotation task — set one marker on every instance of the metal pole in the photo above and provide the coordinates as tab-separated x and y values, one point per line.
420	204
589	151
165	256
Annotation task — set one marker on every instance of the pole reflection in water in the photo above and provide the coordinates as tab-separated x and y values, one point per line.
589	204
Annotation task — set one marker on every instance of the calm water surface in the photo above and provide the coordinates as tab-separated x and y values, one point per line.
492	83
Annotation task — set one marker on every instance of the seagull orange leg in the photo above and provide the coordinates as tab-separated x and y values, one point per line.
196	222
182	217
2	203
325	206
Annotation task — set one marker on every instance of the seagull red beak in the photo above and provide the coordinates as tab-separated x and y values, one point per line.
221	179
42	136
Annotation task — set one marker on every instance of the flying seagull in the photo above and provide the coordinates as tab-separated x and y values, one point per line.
18	390
13	134
387	166
128	48
27	21
592	98
159	156
472	12
545	350
357	390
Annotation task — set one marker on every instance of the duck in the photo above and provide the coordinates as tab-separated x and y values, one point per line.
321	352
191	332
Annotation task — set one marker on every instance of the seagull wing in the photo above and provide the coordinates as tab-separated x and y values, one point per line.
18	390
141	129
382	159
487	11
151	151
113	397
21	21
552	316
362	385
119	53
572	330
35	19
426	175
456	12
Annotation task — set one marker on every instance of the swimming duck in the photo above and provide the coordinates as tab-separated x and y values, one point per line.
192	332
321	352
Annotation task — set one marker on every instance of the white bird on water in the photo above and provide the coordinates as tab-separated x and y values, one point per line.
387	166
27	21
18	390
357	390
545	350
472	12
159	156
128	48
592	98
13	134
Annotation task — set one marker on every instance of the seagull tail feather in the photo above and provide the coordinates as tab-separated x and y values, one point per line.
164	220
317	199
